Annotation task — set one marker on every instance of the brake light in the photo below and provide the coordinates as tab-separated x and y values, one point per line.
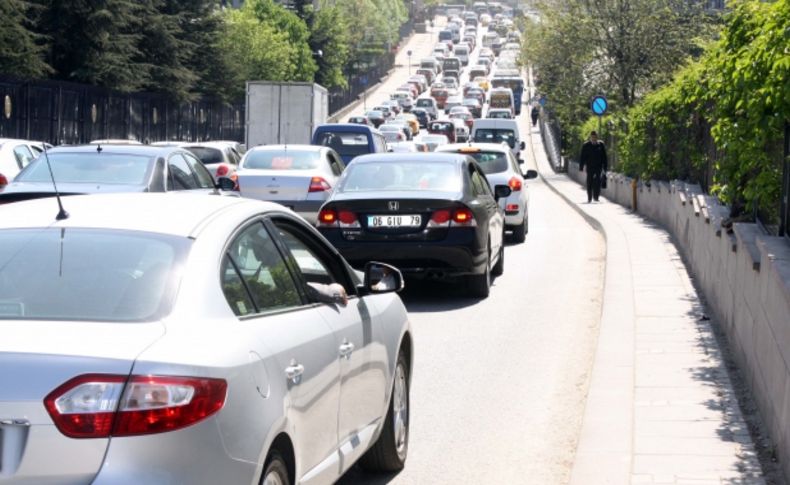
441	216
318	184
327	217
463	217
347	219
235	178
3	180
511	208
515	184
99	405
222	170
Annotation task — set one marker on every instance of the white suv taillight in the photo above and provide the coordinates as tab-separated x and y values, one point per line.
100	405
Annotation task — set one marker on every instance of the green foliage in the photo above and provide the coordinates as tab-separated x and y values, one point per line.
329	36
20	52
372	26
724	114
95	42
283	20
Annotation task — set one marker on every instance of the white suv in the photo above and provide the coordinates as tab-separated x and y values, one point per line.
502	168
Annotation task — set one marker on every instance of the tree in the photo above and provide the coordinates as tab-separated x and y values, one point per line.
329	39
165	49
266	11
95	42
21	54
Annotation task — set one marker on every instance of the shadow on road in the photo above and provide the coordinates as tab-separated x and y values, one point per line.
356	476
433	296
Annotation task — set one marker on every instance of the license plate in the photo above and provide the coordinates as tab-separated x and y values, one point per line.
395	221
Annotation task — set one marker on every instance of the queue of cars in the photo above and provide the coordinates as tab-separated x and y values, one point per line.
206	319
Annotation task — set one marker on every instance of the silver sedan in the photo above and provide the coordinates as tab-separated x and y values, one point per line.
176	338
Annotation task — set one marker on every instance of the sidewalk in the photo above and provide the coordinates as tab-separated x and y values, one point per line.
661	407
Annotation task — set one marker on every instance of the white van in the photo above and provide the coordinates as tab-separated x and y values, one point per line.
461	51
488	130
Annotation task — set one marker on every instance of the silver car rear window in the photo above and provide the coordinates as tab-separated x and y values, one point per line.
93	167
283	160
88	274
401	176
207	155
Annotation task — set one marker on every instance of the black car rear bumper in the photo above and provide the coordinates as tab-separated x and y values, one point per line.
454	256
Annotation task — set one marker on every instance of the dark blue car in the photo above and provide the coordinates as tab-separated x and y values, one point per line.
350	140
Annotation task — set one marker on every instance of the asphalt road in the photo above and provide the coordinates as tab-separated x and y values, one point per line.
499	384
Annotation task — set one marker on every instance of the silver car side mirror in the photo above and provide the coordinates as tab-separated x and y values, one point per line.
381	278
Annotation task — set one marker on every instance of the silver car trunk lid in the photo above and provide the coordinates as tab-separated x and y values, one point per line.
36	358
275	185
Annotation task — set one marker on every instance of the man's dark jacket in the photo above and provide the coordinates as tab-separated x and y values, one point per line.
594	156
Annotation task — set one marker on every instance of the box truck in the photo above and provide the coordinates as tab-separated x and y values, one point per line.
284	112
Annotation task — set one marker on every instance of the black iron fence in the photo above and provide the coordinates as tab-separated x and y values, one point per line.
68	113
784	225
358	82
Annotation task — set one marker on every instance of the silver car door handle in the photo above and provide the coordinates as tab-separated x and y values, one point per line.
294	372
346	349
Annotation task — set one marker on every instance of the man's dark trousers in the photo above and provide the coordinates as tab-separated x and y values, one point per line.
593	184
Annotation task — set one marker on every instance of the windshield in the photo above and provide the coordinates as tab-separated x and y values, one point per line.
91	167
490	162
486	135
207	155
282	160
425	103
401	175
345	144
88	274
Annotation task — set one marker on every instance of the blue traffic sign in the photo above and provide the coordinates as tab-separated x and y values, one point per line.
599	105
542	101
364	80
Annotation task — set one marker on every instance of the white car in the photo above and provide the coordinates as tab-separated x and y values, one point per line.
502	168
176	338
488	130
16	155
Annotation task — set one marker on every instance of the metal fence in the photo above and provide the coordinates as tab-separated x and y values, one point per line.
358	82
784	225
68	113
551	133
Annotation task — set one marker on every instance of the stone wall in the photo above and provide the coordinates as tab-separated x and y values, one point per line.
745	277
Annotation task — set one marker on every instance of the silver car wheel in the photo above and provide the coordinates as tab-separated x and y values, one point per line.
400	408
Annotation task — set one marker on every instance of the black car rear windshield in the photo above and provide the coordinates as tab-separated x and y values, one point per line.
282	160
91	167
346	144
495	136
207	155
401	176
88	274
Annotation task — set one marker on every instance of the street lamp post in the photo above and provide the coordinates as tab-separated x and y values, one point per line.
408	54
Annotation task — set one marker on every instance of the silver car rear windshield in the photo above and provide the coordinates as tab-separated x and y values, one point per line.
283	160
401	176
93	167
88	274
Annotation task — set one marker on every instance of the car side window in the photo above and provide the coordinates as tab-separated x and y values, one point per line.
180	176
315	263
204	178
336	167
23	156
479	185
254	274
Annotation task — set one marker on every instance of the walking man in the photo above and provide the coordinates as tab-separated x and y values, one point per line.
535	113
594	157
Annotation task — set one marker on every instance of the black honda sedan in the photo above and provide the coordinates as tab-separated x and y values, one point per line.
91	169
429	214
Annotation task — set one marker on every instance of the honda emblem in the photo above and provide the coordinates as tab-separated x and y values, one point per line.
393	205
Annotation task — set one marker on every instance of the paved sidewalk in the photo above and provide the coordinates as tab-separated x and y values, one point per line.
661	407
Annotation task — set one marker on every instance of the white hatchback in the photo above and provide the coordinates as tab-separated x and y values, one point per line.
502	168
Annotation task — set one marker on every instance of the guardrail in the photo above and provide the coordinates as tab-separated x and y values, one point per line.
551	133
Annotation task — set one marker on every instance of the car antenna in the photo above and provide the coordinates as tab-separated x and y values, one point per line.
62	214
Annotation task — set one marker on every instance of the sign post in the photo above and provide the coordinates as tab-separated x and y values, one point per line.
364	83
599	106
408	54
